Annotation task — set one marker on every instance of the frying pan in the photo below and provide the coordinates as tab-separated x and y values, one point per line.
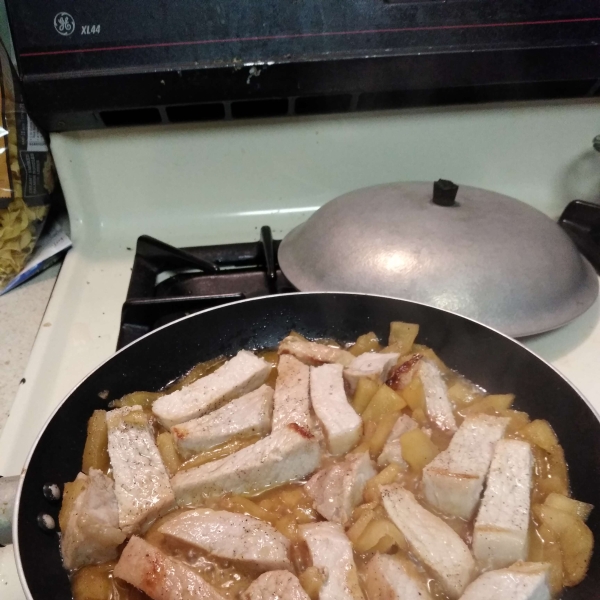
487	357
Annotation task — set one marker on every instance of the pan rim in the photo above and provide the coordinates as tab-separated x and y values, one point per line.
15	524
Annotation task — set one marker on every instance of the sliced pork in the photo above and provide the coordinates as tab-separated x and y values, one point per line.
431	540
244	373
286	455
453	481
338	489
92	534
521	581
313	353
401	375
275	585
243	417
292	399
341	424
438	405
374	365
231	536
159	576
500	532
331	551
390	579
141	481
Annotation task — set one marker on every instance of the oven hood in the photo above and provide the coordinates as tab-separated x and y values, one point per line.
125	62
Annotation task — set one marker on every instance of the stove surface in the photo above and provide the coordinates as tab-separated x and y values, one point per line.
168	283
218	184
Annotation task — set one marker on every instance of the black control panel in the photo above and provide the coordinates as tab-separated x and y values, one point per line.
93	64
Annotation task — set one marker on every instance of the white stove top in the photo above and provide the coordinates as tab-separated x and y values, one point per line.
209	184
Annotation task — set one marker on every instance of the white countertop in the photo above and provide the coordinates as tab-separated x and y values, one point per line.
21	312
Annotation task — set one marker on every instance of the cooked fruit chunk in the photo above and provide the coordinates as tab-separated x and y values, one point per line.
380	535
365	390
403	335
570	505
381	433
168	452
368	342
575	538
417	449
384	477
93	582
541	434
312	580
551	473
384	402
95	453
544	547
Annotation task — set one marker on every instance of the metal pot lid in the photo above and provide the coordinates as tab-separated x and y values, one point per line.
463	249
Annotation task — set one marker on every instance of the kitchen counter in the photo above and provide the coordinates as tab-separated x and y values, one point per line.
21	312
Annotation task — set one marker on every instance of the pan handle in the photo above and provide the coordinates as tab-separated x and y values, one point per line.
8	495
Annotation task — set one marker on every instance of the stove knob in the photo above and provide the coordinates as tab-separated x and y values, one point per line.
596	143
444	193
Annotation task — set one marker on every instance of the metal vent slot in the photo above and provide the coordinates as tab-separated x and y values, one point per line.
314	105
251	109
471	94
134	116
341	103
212	111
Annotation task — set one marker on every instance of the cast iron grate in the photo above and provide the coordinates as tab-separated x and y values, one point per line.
168	283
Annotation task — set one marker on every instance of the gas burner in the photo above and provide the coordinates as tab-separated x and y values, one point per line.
168	283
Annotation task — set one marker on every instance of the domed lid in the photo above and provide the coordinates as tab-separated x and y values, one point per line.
464	249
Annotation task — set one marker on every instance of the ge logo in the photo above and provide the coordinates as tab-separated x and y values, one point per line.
64	23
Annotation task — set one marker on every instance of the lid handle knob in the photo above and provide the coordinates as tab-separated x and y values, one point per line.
444	192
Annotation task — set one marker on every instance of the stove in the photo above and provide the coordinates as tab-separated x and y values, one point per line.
211	188
168	283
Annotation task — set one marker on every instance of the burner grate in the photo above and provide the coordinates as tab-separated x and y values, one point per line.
168	283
